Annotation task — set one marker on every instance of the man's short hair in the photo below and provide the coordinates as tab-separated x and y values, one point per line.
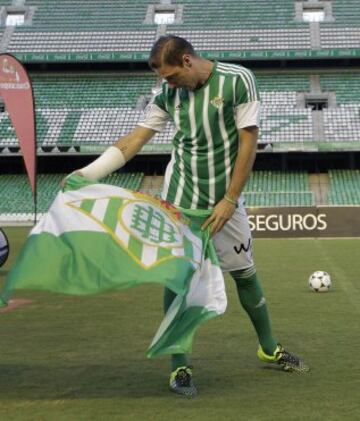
169	49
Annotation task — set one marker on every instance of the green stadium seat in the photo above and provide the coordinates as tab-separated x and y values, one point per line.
95	15
344	187
16	197
278	188
97	30
346	85
235	14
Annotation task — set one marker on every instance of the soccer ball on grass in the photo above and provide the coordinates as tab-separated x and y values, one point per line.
320	281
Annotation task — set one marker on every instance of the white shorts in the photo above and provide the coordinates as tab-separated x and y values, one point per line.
233	243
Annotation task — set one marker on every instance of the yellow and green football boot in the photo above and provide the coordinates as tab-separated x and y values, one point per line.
288	361
181	382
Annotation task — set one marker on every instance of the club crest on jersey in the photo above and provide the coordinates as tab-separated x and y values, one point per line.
217	101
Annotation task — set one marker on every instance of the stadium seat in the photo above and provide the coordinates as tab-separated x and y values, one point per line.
344	187
344	31
16	198
98	28
346	85
247	39
278	188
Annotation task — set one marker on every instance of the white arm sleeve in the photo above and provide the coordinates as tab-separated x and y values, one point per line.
109	161
247	114
154	118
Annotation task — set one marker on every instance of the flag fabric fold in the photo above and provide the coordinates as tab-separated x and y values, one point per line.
98	238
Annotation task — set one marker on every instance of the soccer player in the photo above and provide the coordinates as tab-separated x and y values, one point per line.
215	108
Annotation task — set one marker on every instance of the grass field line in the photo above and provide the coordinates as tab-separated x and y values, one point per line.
336	272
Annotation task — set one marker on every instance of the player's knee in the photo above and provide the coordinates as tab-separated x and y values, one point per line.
243	276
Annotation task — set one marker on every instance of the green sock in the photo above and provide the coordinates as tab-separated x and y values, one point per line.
252	299
177	360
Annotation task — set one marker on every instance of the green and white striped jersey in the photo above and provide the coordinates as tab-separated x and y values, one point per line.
206	140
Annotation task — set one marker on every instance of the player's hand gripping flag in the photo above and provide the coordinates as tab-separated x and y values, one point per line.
98	238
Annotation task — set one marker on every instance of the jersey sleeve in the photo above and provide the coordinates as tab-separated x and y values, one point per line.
155	116
247	100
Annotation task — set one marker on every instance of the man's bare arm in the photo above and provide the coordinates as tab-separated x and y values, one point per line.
132	143
225	209
115	156
244	162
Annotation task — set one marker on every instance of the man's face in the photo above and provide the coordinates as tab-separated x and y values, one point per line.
179	76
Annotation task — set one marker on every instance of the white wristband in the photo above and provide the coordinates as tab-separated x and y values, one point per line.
109	161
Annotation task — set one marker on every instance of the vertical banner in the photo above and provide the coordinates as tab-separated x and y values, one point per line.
17	94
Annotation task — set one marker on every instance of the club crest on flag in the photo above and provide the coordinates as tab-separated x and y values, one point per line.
149	224
147	229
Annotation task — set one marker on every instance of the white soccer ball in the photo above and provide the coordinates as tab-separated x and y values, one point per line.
320	281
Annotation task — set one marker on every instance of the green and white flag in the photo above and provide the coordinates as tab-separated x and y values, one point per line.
98	238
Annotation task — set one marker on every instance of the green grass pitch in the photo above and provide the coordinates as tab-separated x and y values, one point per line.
83	358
